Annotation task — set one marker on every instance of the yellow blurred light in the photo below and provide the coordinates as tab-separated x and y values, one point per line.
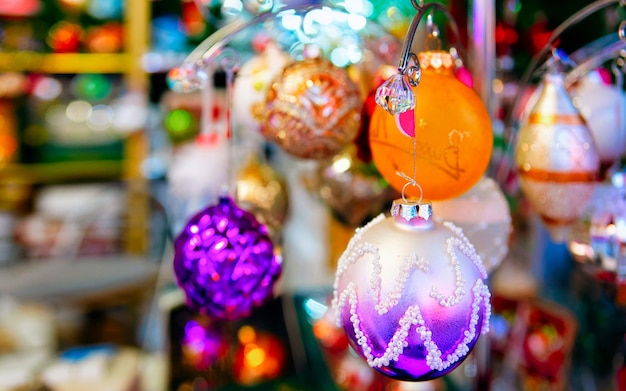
611	229
580	249
342	165
74	3
498	86
254	356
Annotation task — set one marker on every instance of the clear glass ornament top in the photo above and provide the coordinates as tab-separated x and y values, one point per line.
412	214
395	95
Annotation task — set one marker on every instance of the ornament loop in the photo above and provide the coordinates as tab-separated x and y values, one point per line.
410	182
414	73
229	59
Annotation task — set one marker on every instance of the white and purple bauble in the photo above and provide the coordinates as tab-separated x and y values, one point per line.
411	294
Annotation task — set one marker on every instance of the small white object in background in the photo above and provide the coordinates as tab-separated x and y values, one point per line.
250	87
98	370
196	177
603	106
19	370
27	342
27	327
64	213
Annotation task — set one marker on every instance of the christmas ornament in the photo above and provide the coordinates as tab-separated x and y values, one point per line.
353	190
595	241
181	125
168	34
64	37
464	76
312	109
18	8
194	22
410	293
250	88
106	9
225	261
184	79
556	158
448	132
262	190
91	87
9	144
107	38
604	109
203	343
131	112
362	140
260	357
73	5
484	216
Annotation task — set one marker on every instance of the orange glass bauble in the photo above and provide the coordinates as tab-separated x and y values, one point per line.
451	130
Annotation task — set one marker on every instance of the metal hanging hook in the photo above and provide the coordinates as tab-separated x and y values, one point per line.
424	9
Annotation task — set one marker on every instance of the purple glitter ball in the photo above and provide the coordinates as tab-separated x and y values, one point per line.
225	262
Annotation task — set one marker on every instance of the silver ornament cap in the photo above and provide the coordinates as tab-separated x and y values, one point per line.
412	214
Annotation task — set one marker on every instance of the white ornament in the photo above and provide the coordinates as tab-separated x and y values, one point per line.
485	217
250	88
196	178
411	294
604	109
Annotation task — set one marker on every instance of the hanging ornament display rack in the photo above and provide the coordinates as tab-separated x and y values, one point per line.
190	73
395	95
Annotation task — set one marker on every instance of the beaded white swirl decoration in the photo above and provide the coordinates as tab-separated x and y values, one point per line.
412	301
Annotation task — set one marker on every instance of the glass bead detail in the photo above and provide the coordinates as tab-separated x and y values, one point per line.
395	95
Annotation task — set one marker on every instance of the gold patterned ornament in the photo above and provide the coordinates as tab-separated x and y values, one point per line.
353	190
262	190
312	110
556	158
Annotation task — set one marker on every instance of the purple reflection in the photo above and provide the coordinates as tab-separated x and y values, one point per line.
202	345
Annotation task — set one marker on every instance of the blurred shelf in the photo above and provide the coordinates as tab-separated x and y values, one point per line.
77	280
63	63
69	63
63	171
